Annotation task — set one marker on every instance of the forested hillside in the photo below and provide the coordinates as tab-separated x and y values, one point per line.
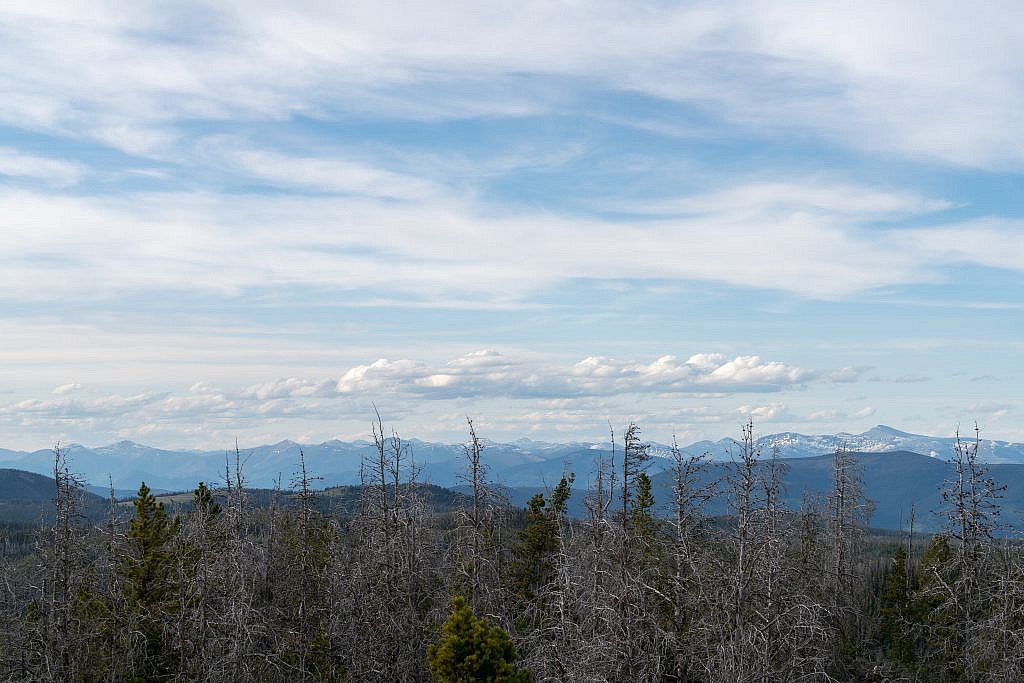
395	581
26	500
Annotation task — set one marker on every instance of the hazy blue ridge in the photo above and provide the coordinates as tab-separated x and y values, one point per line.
523	463
894	481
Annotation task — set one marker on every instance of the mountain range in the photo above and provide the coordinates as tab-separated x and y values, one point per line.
899	469
519	463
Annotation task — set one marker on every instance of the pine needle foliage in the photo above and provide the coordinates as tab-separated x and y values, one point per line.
471	649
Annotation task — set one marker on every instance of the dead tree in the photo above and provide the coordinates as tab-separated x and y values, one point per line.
849	512
388	587
690	494
635	454
963	589
477	518
63	563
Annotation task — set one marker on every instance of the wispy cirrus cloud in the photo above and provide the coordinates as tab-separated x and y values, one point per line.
56	172
315	172
850	74
450	247
329	184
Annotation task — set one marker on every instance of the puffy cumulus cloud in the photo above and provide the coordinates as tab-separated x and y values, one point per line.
290	387
512	394
553	393
774	412
66	389
699	373
73	408
753	373
474	374
201	415
200	399
70	416
490	373
486	358
382	374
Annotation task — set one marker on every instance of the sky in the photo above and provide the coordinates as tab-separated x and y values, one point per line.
257	221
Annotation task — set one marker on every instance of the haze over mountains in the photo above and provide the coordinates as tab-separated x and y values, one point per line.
520	463
899	469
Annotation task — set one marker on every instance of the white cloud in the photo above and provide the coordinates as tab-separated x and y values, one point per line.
74	409
55	172
847	375
866	411
396	226
63	389
380	375
316	172
995	243
835	201
490	373
451	249
773	412
751	371
289	387
508	395
948	90
482	375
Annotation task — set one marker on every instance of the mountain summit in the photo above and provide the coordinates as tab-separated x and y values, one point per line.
521	463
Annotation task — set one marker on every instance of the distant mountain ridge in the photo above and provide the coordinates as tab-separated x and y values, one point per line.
878	439
520	463
27	498
894	479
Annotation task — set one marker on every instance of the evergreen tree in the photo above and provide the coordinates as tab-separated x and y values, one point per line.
531	566
528	565
643	523
895	608
203	503
472	649
934	611
149	575
147	568
199	546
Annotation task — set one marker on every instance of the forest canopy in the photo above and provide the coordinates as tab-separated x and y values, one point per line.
391	586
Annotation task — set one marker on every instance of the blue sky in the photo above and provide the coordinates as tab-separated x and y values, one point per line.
252	221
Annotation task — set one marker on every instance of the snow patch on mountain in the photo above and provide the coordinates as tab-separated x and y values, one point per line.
524	462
